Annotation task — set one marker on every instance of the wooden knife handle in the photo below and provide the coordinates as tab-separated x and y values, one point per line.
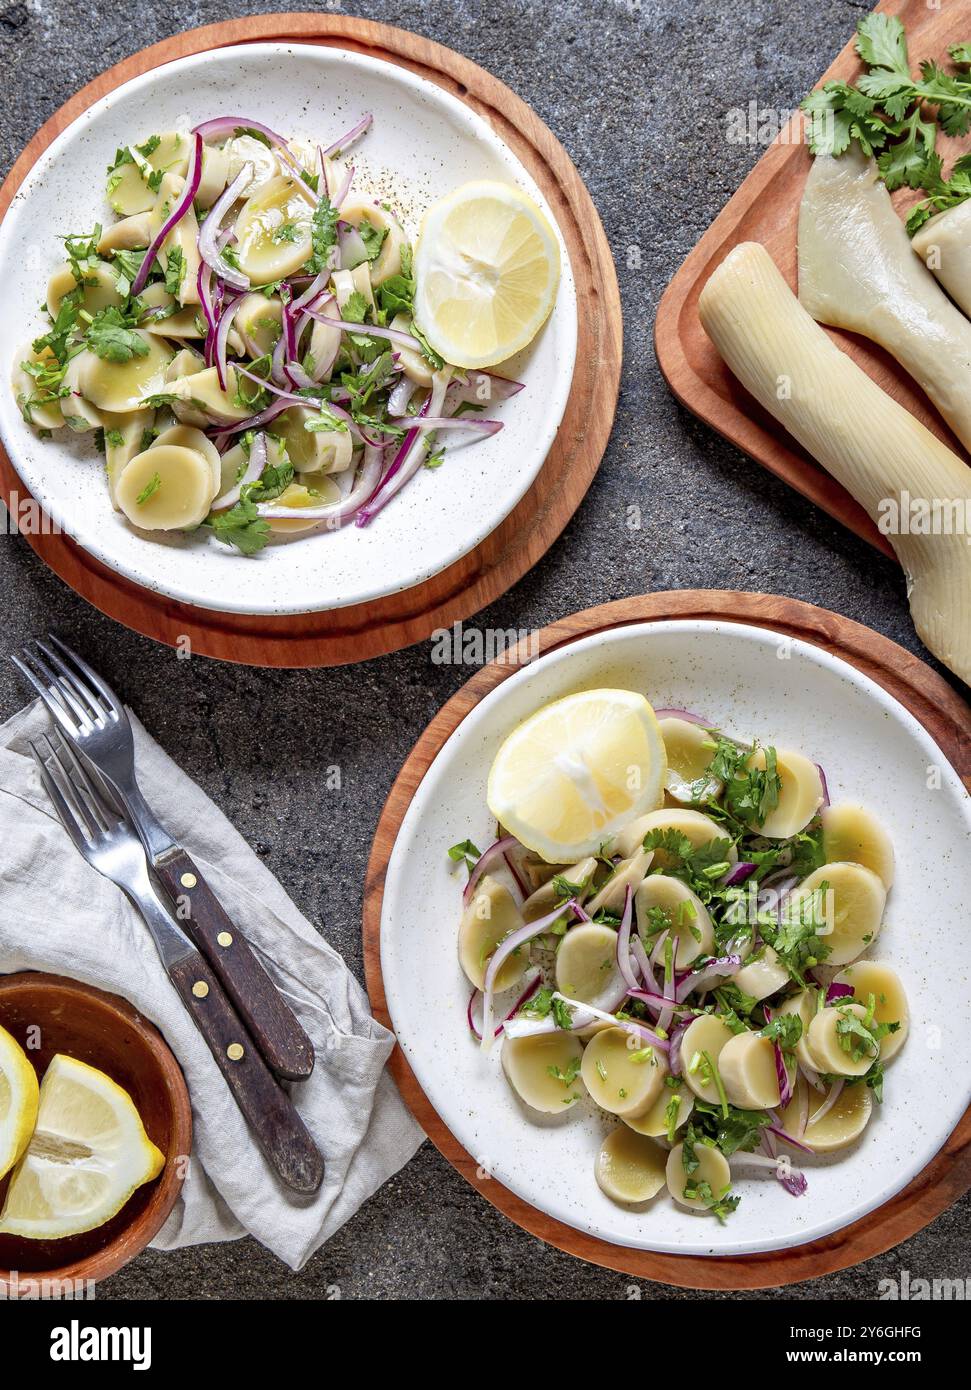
269	1111
278	1035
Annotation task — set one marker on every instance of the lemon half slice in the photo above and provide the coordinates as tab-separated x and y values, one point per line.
18	1101
487	265
577	771
88	1154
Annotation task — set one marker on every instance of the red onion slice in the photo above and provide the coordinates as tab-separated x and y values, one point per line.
368	329
229	125
344	189
526	995
722	968
629	1025
470	390
349	136
789	1138
192	181
686	715
827	1105
792	1179
836	991
502	953
738	874
222	337
824	784
334	513
446	422
254	467
497	850
210	231
623	941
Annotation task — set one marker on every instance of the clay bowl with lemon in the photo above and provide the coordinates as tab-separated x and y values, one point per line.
491	290
576	999
95	1130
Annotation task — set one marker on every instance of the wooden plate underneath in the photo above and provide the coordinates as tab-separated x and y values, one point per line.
946	718
766	209
366	630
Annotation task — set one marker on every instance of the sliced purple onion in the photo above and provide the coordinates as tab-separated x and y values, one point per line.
335	513
722	968
674	1055
470	391
254	467
644	965
486	859
404	466
209	232
836	991
623	941
349	136
524	998
226	125
252	422
353	250
344	189
502	953
369	330
401	394
445	422
789	1138
824	784
192	180
686	715
738	874
791	1178
827	1105
222	338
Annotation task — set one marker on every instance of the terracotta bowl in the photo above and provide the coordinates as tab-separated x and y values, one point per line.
107	1032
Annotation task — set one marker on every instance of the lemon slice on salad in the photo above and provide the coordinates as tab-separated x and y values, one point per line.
577	771
18	1101
88	1154
487	266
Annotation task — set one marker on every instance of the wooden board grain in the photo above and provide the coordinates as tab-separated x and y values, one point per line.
366	630
947	719
766	209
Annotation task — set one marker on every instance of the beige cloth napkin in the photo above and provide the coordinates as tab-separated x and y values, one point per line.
57	914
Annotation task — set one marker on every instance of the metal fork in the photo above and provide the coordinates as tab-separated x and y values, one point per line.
95	722
109	844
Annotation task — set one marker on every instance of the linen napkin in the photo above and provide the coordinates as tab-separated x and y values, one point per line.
59	915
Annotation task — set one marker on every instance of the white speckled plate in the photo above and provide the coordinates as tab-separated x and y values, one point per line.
756	683
423	144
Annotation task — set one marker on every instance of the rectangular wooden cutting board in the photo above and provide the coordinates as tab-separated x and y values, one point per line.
766	209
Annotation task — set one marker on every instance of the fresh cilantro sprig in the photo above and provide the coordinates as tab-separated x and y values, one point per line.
892	115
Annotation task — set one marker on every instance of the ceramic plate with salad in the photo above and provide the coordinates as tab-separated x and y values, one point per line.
332	339
684	896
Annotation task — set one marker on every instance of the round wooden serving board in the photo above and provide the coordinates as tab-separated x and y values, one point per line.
387	624
947	719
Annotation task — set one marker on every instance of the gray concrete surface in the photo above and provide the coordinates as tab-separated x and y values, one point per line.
638	94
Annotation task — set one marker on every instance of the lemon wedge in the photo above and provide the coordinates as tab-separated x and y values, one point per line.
487	265
18	1101
88	1154
577	771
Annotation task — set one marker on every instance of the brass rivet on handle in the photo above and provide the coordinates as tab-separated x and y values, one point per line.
225	938
234	1051
200	989
188	880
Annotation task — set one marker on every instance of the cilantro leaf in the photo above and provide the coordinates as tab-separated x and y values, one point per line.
240	526
111	337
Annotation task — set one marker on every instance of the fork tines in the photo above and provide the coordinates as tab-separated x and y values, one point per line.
75	695
71	787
